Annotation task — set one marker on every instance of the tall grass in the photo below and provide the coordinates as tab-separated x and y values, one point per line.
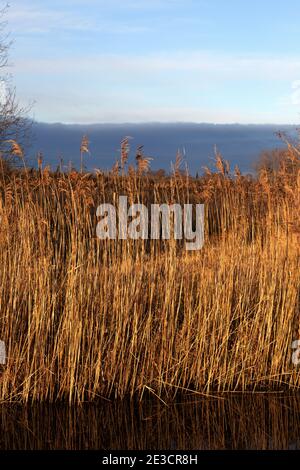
84	318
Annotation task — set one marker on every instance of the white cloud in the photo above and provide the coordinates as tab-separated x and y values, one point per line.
207	65
35	16
26	19
295	97
70	108
135	4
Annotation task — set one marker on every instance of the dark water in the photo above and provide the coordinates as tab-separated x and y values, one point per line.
236	422
239	144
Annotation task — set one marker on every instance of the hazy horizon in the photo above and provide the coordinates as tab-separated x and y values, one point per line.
210	123
240	144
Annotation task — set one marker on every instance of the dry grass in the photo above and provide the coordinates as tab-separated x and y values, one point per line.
84	318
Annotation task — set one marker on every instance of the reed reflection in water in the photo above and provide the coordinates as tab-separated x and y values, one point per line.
235	422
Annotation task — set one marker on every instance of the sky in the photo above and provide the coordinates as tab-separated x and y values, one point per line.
217	61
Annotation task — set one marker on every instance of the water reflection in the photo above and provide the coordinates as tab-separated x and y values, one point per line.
236	422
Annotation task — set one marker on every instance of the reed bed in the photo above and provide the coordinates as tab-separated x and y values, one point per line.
84	319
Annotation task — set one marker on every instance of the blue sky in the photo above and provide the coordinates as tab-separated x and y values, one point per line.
87	61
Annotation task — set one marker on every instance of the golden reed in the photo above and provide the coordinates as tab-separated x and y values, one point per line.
83	318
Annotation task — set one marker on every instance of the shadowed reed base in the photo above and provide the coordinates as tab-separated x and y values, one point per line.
244	423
